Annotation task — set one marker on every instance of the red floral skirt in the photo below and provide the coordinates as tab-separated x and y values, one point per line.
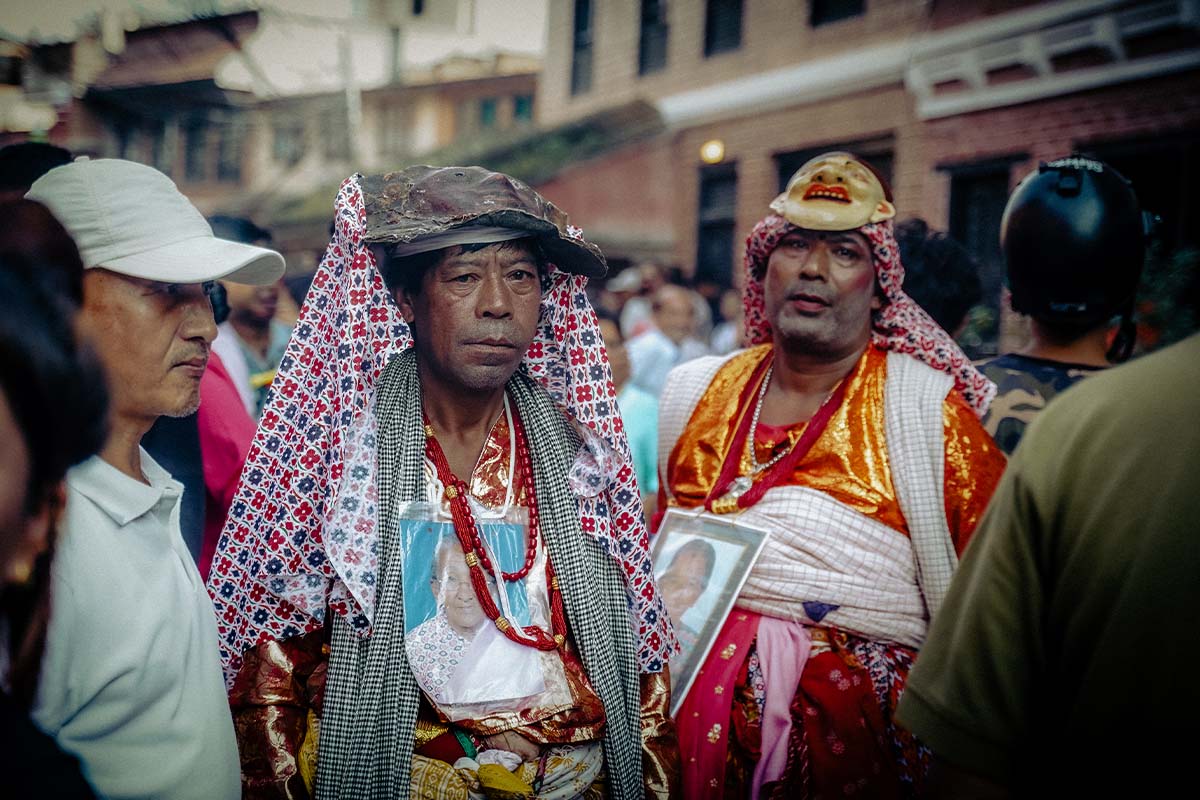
844	739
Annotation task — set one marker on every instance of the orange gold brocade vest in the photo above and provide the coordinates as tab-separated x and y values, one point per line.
848	462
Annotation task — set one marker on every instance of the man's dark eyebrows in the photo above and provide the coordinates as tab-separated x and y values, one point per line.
848	236
518	252
457	262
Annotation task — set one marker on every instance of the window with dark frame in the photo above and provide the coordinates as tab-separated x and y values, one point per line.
716	223
822	12
391	129
978	194
287	145
652	38
523	108
487	113
231	135
159	152
10	71
195	153
335	140
581	48
1168	193
126	140
722	26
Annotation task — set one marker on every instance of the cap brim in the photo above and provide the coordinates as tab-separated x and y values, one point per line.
572	256
627	281
204	258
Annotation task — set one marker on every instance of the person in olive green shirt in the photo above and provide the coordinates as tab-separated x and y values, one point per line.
1062	657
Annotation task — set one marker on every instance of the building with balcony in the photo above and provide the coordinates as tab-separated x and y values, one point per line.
952	101
205	100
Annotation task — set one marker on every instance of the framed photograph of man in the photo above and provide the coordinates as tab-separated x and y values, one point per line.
701	561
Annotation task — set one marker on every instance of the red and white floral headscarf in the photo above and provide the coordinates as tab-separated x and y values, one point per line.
302	531
900	324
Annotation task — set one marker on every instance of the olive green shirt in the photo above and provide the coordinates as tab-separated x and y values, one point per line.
1064	650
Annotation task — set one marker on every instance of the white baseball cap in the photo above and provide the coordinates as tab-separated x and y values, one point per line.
131	218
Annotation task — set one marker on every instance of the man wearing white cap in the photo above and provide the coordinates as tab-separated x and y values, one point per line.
131	681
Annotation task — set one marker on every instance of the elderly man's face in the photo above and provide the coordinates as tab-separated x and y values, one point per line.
475	314
819	292
153	339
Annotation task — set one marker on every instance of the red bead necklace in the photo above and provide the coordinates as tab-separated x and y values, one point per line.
475	554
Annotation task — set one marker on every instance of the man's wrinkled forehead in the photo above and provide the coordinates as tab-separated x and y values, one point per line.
511	251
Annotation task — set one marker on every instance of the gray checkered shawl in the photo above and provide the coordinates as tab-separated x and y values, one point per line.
371	696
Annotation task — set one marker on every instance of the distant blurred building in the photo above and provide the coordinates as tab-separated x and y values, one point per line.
953	101
663	126
152	94
303	149
149	94
19	116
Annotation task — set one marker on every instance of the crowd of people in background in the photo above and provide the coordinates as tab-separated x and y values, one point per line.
214	490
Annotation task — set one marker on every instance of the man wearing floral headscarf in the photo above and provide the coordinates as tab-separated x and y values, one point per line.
849	430
446	376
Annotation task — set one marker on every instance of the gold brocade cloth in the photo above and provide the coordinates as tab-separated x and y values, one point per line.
277	700
849	461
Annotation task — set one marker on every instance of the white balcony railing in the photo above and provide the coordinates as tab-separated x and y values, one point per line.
960	60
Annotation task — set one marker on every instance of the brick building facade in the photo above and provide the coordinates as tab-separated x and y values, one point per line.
954	101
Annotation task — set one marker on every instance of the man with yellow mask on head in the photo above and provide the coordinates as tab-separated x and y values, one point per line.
849	429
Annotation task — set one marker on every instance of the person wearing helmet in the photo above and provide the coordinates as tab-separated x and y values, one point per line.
1073	239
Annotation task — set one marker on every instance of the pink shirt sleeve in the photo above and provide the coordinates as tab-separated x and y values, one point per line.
226	431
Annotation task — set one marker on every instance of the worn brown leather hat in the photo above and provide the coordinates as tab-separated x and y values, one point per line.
426	208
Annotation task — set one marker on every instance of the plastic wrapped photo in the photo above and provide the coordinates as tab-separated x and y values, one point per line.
460	659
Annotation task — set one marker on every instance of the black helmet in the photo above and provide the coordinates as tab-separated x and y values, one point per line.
1074	240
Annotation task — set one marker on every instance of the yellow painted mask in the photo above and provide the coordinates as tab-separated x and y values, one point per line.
833	192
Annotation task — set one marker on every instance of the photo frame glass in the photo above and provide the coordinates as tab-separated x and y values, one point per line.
701	561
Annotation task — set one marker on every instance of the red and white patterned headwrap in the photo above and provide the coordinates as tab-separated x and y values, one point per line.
900	324
302	531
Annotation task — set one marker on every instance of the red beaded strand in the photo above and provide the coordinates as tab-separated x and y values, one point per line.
475	554
438	456
558	615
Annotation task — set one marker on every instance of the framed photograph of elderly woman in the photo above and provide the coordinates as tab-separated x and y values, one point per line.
701	561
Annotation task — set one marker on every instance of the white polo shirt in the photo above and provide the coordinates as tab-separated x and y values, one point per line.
131	680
